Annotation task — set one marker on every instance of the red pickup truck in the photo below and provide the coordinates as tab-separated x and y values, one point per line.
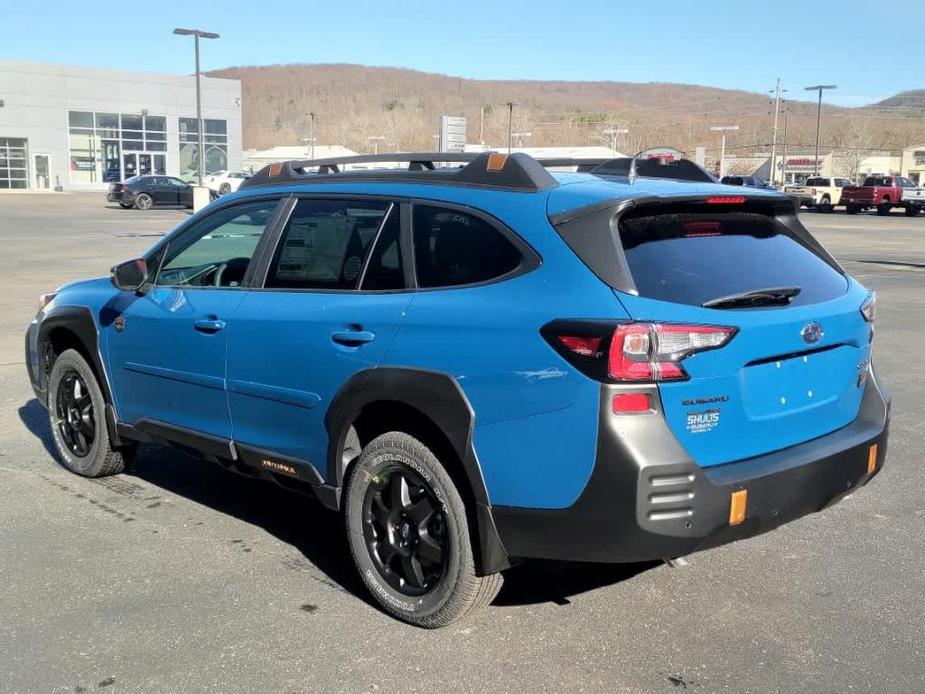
881	192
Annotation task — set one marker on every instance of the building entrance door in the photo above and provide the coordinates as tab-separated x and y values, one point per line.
143	164
42	172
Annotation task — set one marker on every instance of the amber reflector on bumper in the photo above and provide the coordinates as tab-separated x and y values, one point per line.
872	460
737	504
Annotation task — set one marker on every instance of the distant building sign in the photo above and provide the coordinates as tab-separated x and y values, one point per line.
452	133
801	162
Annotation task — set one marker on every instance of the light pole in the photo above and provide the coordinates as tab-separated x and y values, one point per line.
198	34
613	134
308	146
819	88
376	139
722	152
510	123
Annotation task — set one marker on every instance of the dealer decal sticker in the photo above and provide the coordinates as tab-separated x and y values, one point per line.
700	421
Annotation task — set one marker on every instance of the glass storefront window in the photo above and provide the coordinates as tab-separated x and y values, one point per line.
13	171
103	146
215	145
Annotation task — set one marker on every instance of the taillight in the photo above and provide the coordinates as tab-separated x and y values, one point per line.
653	351
633	352
869	307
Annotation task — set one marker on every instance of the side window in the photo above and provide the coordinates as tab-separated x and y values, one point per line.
455	248
325	244
217	251
384	269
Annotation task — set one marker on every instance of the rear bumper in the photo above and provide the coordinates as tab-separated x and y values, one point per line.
647	500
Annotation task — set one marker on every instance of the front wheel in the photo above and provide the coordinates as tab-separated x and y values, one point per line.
409	536
825	205
883	209
143	201
77	414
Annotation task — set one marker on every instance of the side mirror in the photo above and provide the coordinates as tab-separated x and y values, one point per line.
130	276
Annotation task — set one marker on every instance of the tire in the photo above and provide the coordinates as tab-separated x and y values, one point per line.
389	530
77	415
224	189
852	209
883	209
825	205
911	211
143	201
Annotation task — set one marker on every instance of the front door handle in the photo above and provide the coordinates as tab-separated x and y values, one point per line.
353	338
209	325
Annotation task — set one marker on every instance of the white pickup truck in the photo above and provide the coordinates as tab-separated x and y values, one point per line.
913	199
820	192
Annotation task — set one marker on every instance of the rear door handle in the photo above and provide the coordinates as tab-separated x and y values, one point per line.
209	325
353	338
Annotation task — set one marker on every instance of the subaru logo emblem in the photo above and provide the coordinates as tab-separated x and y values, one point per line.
811	333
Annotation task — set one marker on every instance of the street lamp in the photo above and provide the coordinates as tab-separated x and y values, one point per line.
376	139
613	134
198	34
819	88
722	152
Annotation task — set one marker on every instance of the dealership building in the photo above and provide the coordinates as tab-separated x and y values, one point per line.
84	128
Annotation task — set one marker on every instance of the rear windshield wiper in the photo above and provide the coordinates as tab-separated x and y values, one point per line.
771	296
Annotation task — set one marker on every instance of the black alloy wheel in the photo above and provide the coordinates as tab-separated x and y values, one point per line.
405	531
75	417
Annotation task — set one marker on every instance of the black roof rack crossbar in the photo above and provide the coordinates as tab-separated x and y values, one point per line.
490	169
654	167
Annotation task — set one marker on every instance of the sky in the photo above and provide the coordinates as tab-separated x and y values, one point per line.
745	44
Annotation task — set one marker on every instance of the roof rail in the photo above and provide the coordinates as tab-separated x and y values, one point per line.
490	169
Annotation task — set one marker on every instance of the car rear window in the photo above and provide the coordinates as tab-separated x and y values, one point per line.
878	181
690	258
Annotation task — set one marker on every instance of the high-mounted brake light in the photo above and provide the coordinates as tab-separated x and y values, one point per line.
726	200
653	351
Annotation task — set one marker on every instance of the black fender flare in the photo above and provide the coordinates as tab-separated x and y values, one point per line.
439	396
79	321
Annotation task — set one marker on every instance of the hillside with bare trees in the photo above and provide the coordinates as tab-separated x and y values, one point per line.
354	102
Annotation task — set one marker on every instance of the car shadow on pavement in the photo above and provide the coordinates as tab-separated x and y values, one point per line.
317	533
535	582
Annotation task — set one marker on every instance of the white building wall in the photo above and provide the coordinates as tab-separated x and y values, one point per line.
37	97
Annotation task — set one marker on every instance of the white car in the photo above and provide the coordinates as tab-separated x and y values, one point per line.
225	182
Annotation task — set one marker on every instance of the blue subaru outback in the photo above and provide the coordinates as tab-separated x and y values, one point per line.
484	362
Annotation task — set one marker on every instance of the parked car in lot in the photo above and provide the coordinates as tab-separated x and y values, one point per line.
747	181
144	192
820	192
913	200
882	193
225	182
485	363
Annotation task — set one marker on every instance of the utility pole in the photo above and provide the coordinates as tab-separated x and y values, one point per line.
783	151
198	34
482	125
722	152
774	136
510	123
819	88
312	143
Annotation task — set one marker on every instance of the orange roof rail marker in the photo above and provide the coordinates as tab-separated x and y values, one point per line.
275	169
496	161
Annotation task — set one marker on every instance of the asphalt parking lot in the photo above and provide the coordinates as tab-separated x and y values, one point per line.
177	576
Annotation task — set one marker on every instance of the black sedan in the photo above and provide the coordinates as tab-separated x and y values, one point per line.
144	192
